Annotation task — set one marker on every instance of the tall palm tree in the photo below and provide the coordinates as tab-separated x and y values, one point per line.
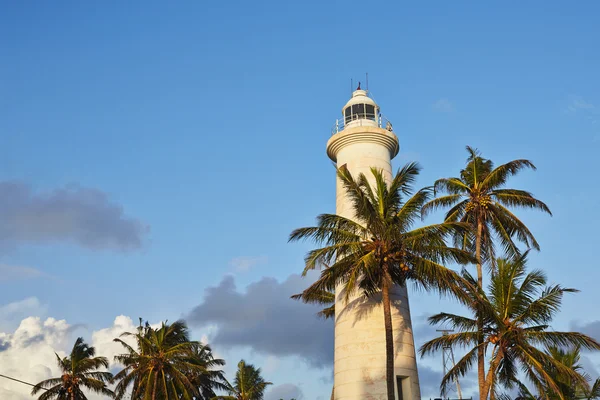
479	198
247	385
159	366
377	249
516	312
209	378
80	370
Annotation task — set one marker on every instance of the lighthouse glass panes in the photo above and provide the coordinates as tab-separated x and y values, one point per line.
359	111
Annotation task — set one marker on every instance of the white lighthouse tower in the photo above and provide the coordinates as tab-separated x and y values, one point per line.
362	139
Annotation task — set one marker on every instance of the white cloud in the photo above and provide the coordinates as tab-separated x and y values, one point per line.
443	105
15	272
28	352
285	391
244	263
102	339
577	103
271	365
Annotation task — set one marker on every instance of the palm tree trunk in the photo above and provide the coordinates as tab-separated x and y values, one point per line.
154	386
480	348
478	253
489	381
389	337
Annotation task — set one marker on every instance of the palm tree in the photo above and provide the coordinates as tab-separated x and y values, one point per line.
569	358
516	312
594	391
209	378
160	364
79	371
479	198
247	385
568	388
378	248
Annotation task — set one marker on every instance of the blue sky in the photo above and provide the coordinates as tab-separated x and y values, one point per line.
205	125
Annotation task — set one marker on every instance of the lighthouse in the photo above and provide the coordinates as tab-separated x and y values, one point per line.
363	139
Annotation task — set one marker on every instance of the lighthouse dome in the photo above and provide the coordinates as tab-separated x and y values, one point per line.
360	109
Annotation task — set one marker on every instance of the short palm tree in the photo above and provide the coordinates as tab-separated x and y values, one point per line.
377	249
516	312
570	358
209	378
247	385
80	370
568	388
479	198
159	365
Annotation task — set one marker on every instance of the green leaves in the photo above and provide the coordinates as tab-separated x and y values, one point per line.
164	363
356	253
516	312
79	370
478	196
247	385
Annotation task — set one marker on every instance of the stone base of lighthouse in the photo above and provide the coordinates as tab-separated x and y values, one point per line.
359	366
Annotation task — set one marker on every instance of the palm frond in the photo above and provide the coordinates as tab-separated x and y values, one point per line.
498	177
519	198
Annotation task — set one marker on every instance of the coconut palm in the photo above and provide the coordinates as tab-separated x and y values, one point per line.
159	365
377	249
209	378
247	385
516	312
479	198
594	391
80	371
568	388
570	358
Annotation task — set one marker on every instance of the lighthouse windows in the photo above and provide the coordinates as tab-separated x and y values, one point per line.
370	112
359	111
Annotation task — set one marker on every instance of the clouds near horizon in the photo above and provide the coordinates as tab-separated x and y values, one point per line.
28	352
264	318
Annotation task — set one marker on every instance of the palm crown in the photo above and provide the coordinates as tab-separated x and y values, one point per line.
360	253
162	365
478	197
209	377
247	385
516	314
80	370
